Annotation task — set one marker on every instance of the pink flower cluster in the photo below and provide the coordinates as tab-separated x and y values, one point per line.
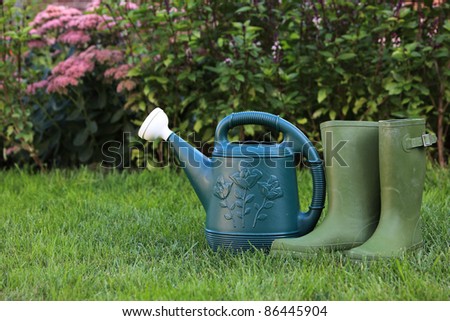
71	70
126	84
129	5
72	25
60	83
53	17
32	44
32	88
87	22
74	37
117	73
121	73
94	5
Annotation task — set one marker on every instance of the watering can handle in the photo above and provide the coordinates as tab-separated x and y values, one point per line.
299	143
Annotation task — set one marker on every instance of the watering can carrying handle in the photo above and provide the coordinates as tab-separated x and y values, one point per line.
294	138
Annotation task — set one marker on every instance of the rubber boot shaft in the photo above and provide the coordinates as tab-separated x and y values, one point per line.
402	175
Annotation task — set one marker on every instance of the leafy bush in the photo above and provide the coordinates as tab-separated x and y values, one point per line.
16	129
76	106
307	61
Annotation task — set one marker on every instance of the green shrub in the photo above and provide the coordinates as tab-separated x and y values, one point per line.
307	61
16	129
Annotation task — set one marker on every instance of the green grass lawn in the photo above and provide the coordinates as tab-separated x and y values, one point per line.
82	235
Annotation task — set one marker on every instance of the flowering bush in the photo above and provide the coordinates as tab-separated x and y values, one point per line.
85	66
98	73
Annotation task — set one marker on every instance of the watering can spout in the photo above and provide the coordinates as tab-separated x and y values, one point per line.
197	166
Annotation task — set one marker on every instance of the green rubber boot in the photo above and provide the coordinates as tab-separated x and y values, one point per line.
351	171
402	174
